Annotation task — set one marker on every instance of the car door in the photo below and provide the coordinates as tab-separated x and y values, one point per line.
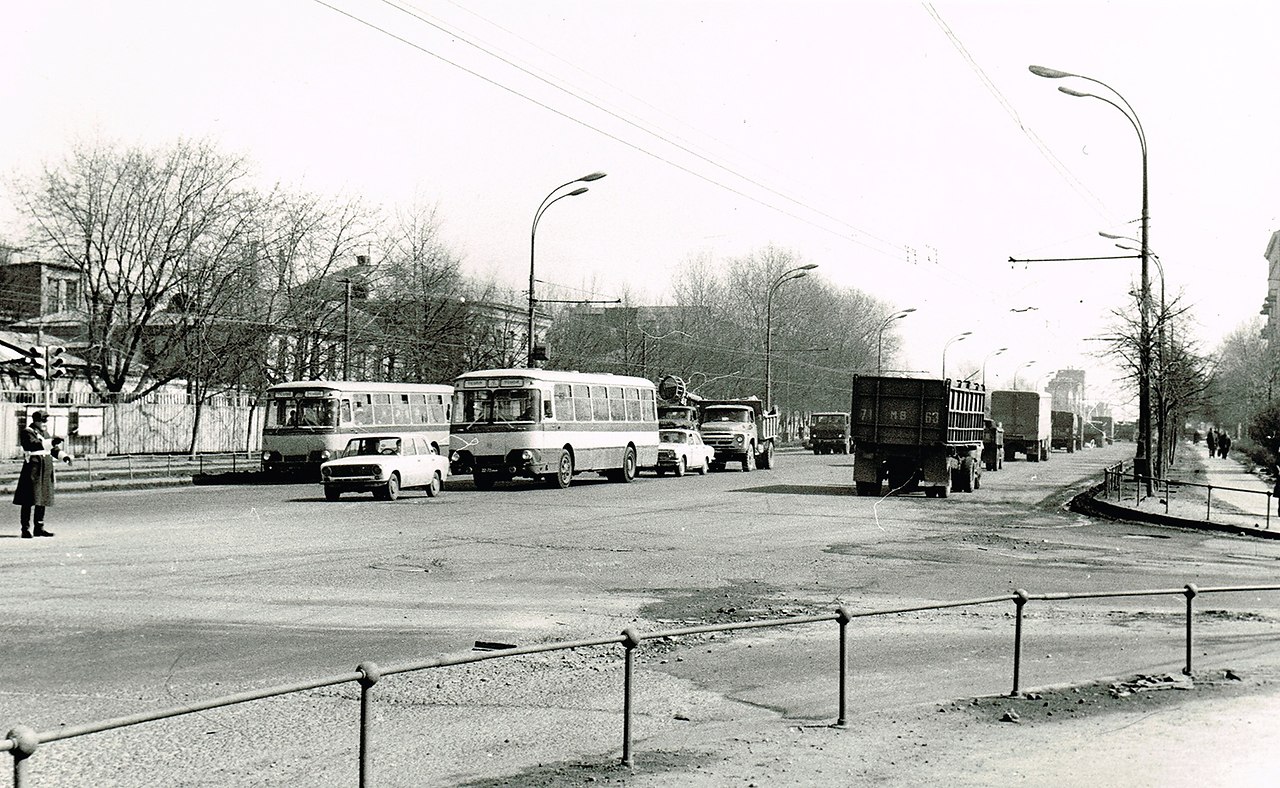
415	475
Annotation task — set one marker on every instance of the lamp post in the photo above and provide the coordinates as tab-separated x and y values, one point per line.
1016	371
533	234
880	337
984	363
799	272
956	338
1142	457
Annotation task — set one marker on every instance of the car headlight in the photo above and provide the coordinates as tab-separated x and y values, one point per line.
377	472
326	472
325	455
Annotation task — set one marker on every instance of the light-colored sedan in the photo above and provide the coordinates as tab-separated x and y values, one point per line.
385	465
681	451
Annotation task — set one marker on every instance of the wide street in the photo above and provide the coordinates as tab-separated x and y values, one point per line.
147	599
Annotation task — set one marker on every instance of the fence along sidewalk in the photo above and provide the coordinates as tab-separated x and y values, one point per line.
22	742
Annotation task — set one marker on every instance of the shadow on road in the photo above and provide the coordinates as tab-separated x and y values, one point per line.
800	489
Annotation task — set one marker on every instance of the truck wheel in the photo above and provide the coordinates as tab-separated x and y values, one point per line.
817	450
766	457
867	488
483	481
749	459
943	491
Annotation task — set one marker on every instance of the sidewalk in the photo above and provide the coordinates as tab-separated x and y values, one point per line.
1215	493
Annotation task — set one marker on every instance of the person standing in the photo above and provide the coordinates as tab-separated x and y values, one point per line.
1212	440
34	492
1224	444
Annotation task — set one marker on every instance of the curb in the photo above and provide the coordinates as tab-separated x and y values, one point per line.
1087	503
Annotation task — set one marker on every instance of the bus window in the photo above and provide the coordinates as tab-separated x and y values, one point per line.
617	407
650	409
418	409
403	411
582	403
383	412
363	414
344	415
599	403
564	402
633	405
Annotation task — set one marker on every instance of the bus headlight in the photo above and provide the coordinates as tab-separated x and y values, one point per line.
526	455
738	439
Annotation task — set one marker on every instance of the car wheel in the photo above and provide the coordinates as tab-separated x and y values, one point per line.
392	490
436	485
704	467
682	467
332	493
564	471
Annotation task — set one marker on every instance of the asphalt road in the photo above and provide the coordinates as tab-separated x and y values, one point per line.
146	599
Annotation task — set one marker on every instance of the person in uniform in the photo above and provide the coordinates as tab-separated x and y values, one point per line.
34	492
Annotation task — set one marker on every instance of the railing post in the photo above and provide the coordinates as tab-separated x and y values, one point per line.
1166	496
88	469
27	743
1268	510
370	675
1019	600
1190	593
1208	503
628	669
843	618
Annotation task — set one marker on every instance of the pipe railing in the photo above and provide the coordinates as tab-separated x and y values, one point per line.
1114	479
22	742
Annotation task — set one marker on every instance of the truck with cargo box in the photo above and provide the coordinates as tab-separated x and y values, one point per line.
1065	431
740	431
1028	425
917	433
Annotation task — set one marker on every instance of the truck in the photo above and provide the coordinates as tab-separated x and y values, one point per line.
678	408
1065	431
1027	422
1100	430
740	431
917	434
829	432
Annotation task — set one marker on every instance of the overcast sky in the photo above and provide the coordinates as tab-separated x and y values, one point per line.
903	147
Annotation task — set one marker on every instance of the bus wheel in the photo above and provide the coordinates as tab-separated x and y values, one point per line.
483	481
437	484
628	470
564	471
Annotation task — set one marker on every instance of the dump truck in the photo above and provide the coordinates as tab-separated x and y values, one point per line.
740	431
1027	423
917	433
1065	431
829	433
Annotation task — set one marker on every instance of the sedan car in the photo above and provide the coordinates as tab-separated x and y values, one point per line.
384	465
680	450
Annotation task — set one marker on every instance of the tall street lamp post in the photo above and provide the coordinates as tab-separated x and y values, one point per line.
880	337
1142	457
956	338
1016	371
799	272
533	235
984	363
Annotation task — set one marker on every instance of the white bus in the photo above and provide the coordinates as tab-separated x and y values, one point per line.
549	425
310	421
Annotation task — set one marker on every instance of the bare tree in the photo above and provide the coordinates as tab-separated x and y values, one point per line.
142	226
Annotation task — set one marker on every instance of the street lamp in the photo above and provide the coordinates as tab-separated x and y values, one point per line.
533	234
799	272
956	338
1142	457
984	363
1016	371
880	336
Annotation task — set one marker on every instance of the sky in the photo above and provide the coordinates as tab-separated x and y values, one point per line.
905	148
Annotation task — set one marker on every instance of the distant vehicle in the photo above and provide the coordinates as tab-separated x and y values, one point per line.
992	445
384	465
1028	426
310	421
550	425
1066	432
682	450
1100	430
829	433
740	431
917	433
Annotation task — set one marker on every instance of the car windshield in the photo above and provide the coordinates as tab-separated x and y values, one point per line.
360	447
674	437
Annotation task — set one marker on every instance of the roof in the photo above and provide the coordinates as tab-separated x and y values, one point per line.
559	376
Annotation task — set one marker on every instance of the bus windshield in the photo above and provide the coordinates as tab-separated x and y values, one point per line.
302	412
495	405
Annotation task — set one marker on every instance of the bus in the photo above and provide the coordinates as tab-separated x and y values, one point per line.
549	425
310	421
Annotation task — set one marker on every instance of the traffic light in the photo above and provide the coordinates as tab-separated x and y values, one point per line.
35	359
55	361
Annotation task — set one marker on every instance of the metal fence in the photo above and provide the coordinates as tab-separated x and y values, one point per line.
91	473
23	742
1115	488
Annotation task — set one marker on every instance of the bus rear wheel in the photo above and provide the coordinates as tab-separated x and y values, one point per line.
627	472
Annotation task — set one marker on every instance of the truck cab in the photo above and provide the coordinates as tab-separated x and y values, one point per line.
829	433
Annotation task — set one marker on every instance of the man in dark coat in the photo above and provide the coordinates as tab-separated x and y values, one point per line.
36	481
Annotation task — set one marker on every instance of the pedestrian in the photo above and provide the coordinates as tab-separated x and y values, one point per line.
1224	444
34	492
1212	440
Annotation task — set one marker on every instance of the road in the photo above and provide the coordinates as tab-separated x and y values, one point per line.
146	599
